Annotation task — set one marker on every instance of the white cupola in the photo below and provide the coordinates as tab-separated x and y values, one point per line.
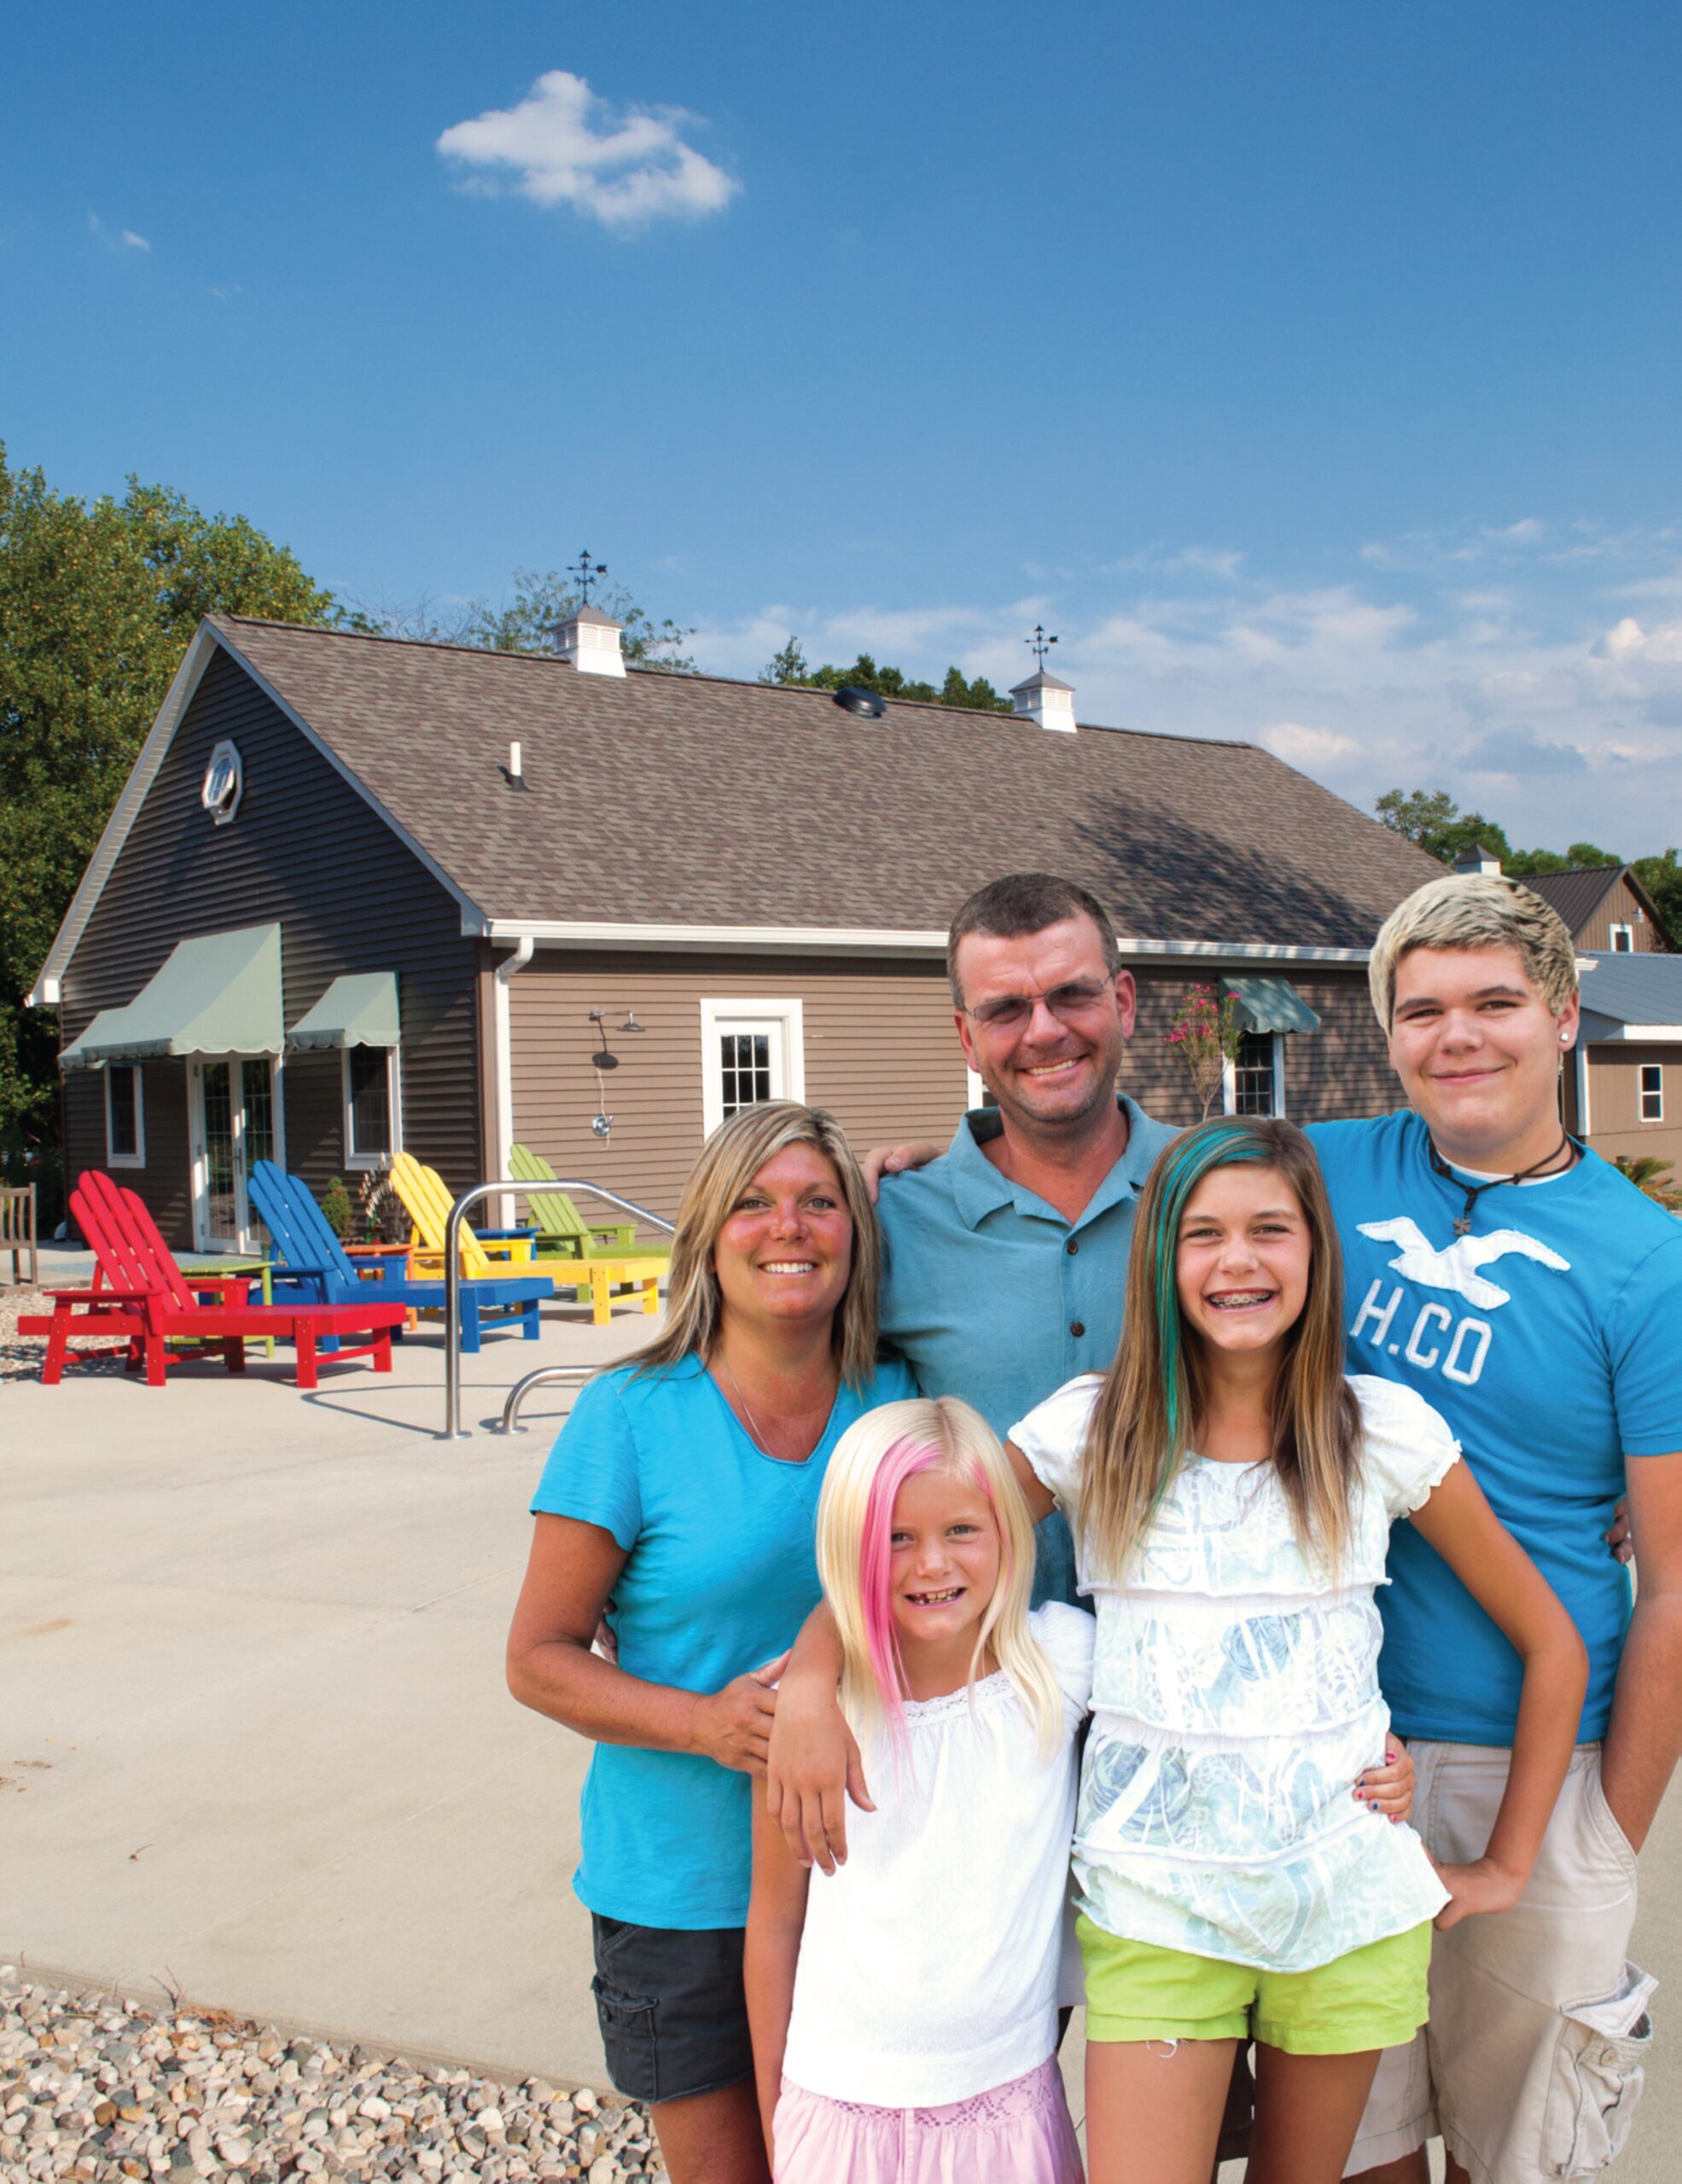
1478	862
1047	701
589	640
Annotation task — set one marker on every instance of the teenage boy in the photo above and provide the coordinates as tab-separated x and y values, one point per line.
1535	1299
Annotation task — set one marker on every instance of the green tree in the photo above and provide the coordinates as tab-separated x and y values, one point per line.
790	667
97	602
526	621
1581	856
1435	820
1662	879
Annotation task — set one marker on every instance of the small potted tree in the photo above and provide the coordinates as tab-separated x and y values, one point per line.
1205	1035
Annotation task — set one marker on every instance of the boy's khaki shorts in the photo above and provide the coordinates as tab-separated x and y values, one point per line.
1532	2063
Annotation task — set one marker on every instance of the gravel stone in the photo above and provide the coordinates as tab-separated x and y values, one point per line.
94	2089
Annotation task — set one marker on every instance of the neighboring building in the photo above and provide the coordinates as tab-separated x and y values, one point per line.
1608	909
1624	1094
360	892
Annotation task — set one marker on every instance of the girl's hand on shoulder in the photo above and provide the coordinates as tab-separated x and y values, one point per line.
1387	1787
733	1725
1474	1889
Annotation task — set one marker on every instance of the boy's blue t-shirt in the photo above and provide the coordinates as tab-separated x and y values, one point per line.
1551	1339
721	1575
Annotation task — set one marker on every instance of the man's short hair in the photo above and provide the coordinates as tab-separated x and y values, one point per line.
1475	910
1024	903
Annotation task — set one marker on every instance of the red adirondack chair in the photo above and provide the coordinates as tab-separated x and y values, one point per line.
141	1294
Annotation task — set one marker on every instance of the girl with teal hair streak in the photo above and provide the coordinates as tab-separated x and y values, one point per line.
1231	1493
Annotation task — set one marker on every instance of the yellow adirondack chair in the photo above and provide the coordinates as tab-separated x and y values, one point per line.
427	1201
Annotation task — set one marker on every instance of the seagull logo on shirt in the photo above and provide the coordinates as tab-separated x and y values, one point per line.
1455	1268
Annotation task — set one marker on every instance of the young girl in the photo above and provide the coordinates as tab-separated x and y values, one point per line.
904	2014
1231	1496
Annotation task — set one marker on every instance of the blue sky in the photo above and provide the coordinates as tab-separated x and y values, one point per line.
1312	370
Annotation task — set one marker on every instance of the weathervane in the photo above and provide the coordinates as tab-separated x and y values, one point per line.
587	572
1040	644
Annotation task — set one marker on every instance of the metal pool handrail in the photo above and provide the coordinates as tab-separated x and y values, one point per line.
453	1428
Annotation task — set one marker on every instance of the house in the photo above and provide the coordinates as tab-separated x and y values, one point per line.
361	892
1622	1090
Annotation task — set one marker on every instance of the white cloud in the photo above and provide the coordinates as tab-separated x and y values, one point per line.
123	239
563	145
1314	749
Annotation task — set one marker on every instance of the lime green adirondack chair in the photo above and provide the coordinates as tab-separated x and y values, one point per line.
562	1231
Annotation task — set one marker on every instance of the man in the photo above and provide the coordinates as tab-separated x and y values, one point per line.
1535	1298
1005	1259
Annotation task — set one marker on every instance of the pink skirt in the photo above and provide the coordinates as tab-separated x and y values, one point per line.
1016	2133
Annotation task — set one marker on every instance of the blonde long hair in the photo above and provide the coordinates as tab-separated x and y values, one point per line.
730	1159
1136	1444
872	1460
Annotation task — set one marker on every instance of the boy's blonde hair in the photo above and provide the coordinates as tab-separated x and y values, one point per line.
873	1460
730	1159
1475	910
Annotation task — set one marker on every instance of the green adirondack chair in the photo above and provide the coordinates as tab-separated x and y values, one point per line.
562	1231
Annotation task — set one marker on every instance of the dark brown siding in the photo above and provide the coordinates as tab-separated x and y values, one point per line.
1615	1103
880	1053
1342	1070
1620	908
306	851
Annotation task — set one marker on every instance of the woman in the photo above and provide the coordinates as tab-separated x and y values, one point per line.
683	1490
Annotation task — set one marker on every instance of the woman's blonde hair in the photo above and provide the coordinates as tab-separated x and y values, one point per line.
1155	1389
873	1460
730	1159
1466	910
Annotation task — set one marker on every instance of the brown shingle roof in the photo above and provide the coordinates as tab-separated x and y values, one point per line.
682	800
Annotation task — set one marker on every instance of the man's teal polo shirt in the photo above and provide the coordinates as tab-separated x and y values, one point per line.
988	1292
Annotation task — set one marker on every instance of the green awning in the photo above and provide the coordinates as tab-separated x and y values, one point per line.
358	1010
1271	1005
217	995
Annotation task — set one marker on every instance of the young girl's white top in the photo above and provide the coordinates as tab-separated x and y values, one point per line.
1236	1699
928	1963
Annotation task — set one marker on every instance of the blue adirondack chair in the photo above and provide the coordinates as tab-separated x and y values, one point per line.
310	1256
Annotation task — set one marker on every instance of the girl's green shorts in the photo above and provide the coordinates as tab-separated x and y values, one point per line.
1374	1997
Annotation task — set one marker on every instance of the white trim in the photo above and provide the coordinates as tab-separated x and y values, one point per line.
1612	932
502	1064
1582	1089
717	1016
363	1163
1642	1095
863	940
1229	1076
137	1157
975	1092
1640	1035
207	638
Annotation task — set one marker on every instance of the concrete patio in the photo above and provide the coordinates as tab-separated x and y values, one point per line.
256	1744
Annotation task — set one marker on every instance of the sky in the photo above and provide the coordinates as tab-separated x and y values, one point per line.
1313	372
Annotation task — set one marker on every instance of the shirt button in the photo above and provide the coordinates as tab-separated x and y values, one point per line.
1071	1247
1077	1326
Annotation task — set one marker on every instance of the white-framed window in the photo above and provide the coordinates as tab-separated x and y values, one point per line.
124	1116
1254	1079
1623	939
1652	1092
373	1106
750	1051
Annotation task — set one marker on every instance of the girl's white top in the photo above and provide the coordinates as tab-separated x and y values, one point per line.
928	1963
1235	1701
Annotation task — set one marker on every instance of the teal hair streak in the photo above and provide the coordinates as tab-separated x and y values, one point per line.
1213	1144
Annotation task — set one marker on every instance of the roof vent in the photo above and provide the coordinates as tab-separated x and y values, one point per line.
868	705
589	640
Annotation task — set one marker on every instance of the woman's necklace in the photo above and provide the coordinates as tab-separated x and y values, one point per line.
755	1432
1568	1146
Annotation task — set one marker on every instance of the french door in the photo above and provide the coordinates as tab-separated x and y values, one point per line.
235	1120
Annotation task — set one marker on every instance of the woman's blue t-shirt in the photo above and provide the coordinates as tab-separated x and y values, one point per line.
721	1575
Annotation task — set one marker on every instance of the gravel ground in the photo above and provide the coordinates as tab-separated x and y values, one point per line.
20	1355
93	2087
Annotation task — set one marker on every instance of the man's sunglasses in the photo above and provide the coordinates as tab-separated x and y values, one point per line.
1010	1011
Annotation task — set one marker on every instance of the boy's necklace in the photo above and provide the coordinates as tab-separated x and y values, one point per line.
1568	1146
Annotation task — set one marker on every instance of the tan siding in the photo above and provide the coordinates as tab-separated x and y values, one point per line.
1615	1096
1620	908
1342	1070
304	850
880	1051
